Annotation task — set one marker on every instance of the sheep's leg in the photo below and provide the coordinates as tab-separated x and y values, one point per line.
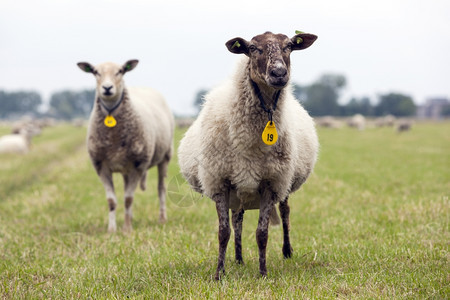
224	229
262	232
108	184
131	181
162	173
284	212
237	218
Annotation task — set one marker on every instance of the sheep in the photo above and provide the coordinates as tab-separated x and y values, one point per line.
404	125
130	130
184	122
357	121
223	154
328	122
78	122
20	141
33	127
387	120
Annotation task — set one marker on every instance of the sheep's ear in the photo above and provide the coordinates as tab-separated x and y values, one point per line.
129	65
86	67
237	45
302	41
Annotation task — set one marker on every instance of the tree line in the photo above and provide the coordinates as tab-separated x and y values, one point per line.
321	99
65	105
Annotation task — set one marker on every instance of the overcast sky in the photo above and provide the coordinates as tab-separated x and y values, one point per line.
380	46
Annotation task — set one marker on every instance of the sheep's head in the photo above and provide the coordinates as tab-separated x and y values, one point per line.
109	78
270	55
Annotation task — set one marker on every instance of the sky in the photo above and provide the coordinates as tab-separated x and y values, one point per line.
380	46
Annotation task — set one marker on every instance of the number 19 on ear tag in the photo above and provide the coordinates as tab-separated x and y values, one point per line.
270	135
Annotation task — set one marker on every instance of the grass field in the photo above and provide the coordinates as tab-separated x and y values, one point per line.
371	222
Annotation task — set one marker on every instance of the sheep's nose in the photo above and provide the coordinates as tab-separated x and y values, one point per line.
278	72
107	90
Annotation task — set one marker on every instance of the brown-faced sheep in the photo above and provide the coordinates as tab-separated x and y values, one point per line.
224	154
404	125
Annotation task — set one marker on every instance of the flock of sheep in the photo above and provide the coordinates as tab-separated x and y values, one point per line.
252	145
360	122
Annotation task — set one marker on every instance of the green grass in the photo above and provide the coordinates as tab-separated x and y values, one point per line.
371	222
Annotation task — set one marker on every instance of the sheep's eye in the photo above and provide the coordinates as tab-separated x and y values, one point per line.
118	73
253	48
96	73
287	48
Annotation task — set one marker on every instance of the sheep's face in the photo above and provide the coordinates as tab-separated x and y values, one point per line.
109	78
270	55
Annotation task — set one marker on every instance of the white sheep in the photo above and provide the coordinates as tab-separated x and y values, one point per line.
15	143
224	154
328	122
130	130
19	141
357	121
388	120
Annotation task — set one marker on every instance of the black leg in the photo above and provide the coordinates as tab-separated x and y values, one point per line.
224	230
237	218
262	232
284	212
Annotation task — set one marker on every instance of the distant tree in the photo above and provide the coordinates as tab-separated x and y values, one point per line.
321	97
446	111
358	106
71	104
321	100
395	104
19	103
199	99
335	81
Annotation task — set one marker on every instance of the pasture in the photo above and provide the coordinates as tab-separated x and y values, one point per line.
371	222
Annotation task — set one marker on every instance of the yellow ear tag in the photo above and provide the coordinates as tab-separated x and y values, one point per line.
110	121
270	135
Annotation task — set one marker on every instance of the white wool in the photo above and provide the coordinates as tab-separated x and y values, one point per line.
141	138
14	143
358	121
224	143
151	112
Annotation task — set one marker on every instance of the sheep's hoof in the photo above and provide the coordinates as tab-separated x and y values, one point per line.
240	261
263	273
287	251
162	216
217	276
111	229
127	229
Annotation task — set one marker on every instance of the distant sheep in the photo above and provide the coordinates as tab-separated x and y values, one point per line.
32	127
224	154
388	120
357	121
78	122
130	130
18	142
328	122
184	122
404	125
